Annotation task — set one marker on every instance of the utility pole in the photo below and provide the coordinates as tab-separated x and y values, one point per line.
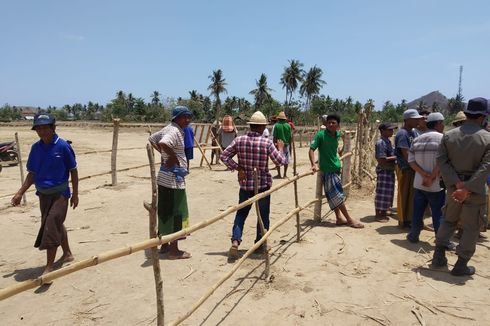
460	88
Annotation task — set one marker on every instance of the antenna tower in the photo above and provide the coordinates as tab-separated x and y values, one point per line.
460	88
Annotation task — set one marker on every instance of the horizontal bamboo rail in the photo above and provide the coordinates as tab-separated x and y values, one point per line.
116	253
240	262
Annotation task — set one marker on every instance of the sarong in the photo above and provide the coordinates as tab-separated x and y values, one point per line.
173	214
53	214
333	189
405	194
385	189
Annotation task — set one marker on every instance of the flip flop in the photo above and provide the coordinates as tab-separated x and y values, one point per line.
357	225
382	219
184	255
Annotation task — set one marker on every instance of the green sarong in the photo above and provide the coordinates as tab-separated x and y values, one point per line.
173	214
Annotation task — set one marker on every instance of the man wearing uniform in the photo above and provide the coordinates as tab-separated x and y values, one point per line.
464	162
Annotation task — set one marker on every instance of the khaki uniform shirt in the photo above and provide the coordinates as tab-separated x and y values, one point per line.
464	155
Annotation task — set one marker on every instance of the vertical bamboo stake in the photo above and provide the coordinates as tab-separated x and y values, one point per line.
298	228
21	167
261	224
115	136
346	162
153	234
301	138
317	215
360	143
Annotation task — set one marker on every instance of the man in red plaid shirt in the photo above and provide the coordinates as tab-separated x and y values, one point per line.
253	151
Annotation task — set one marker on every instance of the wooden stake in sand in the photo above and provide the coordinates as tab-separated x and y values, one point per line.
115	136
21	166
153	234
346	163
317	215
298	227
261	224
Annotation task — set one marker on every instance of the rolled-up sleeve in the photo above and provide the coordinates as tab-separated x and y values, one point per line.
276	156
228	153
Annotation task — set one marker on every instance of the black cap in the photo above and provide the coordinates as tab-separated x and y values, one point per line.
387	125
42	119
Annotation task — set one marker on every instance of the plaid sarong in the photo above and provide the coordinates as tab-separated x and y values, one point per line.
333	189
385	189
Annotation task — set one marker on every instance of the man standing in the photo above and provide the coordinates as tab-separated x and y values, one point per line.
327	143
404	173
427	188
173	214
253	152
50	162
282	131
464	161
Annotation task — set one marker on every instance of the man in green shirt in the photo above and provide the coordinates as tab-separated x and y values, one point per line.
282	131
327	143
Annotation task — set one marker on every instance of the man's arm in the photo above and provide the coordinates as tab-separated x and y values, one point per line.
446	169
276	154
227	154
74	185
26	185
172	157
481	174
311	156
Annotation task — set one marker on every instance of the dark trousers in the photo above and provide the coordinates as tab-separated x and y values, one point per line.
242	214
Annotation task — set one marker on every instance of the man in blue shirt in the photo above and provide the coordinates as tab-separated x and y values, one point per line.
50	162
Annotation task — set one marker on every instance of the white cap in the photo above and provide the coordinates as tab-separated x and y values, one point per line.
411	114
435	116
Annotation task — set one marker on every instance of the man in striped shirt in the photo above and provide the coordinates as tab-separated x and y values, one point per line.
173	214
253	152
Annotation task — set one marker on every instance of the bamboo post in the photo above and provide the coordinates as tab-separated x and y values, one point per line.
128	250
21	166
153	234
298	227
238	264
360	144
317	214
261	224
301	138
202	153
115	136
346	162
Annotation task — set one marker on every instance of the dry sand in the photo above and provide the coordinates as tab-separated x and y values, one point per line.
334	276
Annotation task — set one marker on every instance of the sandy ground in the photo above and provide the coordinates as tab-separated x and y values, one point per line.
335	275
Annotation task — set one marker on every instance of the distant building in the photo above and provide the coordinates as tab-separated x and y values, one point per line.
27	112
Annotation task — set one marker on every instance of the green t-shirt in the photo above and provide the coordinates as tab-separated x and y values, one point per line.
282	131
327	146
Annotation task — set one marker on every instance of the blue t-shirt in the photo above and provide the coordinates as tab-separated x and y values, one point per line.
403	139
188	137
51	163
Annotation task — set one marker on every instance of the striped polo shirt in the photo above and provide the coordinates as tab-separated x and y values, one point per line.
173	136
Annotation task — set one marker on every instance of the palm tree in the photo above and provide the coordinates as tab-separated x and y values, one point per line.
290	78
194	95
312	84
217	87
155	98
261	93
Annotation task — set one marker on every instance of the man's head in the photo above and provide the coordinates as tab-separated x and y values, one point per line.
331	122
459	119
422	123
45	126
181	115
435	121
387	129
477	110
258	122
411	118
282	116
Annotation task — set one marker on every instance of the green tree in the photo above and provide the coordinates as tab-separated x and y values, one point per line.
155	98
312	84
217	87
261	93
291	77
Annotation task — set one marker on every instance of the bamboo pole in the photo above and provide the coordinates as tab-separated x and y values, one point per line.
238	264
298	227
202	153
261	224
317	214
125	251
21	166
346	161
152	212
115	136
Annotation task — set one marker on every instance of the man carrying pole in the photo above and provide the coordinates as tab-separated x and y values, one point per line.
50	162
253	151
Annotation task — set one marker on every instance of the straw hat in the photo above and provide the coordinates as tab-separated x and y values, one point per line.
460	116
258	118
282	116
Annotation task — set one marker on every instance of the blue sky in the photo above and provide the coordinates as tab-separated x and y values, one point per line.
64	52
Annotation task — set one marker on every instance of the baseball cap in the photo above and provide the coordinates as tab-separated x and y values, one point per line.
387	125
477	105
42	119
180	110
411	114
435	116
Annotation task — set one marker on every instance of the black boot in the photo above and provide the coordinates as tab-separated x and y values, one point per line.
461	268
439	259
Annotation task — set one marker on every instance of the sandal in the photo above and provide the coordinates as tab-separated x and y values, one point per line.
183	255
356	225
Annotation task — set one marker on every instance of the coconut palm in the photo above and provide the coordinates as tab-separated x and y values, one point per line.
312	84
194	96
292	75
261	93
217	87
155	98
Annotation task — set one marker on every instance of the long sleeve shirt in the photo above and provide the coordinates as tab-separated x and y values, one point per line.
253	151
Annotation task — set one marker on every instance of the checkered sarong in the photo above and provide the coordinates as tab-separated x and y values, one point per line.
385	189
333	189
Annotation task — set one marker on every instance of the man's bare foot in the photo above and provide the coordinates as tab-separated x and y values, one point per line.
67	257
355	224
178	255
340	222
47	270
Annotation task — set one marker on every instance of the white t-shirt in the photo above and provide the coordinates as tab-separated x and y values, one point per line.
424	152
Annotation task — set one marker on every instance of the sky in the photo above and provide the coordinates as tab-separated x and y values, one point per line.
66	52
